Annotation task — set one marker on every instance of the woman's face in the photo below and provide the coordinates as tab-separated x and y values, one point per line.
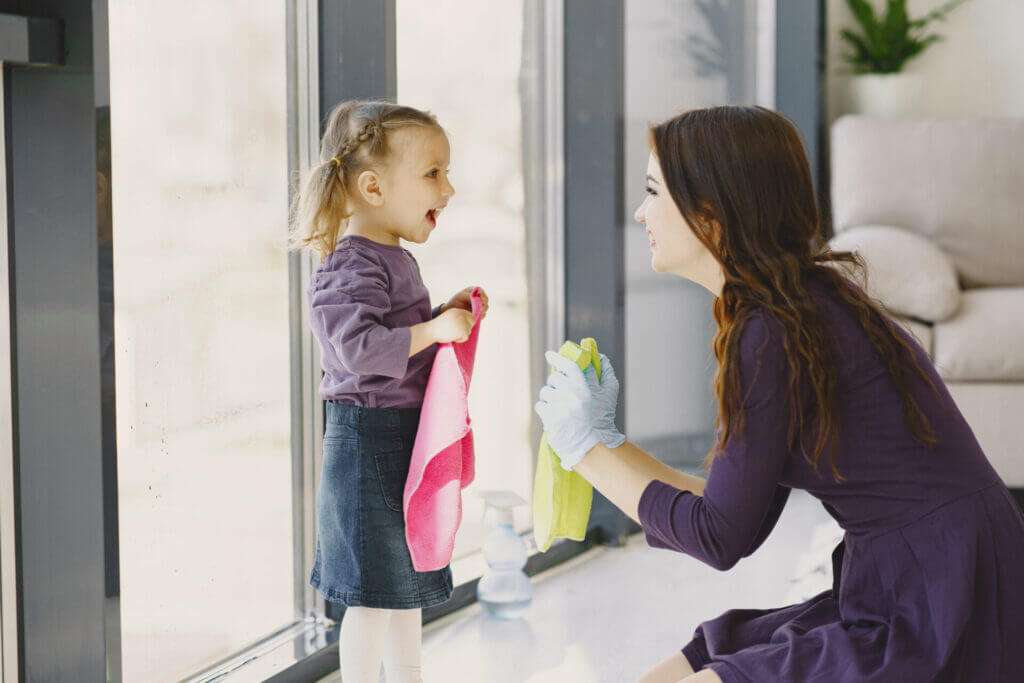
674	247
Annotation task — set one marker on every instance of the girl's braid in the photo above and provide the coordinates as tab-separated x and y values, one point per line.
368	131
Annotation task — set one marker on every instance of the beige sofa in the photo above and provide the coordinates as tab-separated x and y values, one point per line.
936	208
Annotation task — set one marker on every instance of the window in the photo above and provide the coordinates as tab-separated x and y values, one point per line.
473	86
200	182
679	56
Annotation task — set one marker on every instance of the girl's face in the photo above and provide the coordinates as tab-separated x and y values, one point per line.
416	183
674	247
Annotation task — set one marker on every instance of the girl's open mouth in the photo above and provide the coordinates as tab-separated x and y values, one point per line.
432	217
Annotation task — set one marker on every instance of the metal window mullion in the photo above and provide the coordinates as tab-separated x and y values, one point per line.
554	169
766	51
307	414
799	75
8	576
356	55
594	78
56	368
543	156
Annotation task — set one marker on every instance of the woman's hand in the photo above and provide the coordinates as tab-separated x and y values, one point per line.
565	408
606	401
464	300
576	404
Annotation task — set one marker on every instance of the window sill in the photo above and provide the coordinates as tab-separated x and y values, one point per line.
308	651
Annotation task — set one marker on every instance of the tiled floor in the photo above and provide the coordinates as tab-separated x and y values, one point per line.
610	614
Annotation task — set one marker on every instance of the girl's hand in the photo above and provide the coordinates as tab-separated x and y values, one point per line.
453	325
464	300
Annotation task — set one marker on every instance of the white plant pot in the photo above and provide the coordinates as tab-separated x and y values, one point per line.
888	95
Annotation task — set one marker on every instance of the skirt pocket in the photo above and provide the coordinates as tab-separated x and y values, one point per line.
392	470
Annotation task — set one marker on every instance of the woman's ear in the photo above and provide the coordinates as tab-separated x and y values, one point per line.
368	185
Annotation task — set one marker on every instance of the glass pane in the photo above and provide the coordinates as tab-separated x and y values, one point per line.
680	55
472	85
200	178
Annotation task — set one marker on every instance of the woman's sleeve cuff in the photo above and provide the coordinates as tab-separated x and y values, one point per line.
655	505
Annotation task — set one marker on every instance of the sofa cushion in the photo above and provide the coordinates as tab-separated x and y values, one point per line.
985	340
905	271
957	182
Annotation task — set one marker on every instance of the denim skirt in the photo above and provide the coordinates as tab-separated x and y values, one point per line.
361	555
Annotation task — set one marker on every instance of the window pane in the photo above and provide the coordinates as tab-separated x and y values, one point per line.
472	84
199	163
680	55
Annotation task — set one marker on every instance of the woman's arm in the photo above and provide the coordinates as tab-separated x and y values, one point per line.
743	497
718	521
621	475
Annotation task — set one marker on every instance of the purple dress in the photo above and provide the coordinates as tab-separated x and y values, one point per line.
929	579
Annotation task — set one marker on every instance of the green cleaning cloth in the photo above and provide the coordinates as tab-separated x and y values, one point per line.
562	499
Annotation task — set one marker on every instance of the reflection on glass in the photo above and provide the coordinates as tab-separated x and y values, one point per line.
199	157
472	84
680	55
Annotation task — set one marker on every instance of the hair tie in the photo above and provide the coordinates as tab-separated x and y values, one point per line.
336	161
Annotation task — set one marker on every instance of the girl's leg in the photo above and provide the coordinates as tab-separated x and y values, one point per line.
703	676
361	643
404	645
671	670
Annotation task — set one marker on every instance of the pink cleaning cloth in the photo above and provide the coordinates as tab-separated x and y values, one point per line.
442	455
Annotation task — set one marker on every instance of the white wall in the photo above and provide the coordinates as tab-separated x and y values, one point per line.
977	70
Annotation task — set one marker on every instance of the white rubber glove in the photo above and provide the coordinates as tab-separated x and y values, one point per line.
567	408
606	398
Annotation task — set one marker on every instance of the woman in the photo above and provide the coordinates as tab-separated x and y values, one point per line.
819	390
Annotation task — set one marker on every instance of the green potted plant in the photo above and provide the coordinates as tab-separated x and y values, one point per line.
879	51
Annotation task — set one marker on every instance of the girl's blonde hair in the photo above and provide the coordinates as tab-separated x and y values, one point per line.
356	139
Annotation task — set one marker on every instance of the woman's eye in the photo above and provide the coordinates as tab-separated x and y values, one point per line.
651	192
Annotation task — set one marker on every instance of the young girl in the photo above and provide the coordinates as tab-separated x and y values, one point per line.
382	178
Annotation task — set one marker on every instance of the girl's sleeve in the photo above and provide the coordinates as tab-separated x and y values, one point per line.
351	302
742	498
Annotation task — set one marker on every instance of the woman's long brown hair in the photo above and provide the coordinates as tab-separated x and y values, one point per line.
741	180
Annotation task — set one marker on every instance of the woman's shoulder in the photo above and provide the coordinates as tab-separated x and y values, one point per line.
760	357
764	325
763	331
760	327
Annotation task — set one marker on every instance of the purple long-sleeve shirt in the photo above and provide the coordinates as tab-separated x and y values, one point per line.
363	298
891	479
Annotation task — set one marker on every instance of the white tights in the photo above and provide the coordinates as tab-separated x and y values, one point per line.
369	635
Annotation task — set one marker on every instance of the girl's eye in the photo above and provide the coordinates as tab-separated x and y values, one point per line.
433	174
651	192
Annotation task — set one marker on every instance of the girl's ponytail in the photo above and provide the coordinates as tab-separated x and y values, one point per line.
318	210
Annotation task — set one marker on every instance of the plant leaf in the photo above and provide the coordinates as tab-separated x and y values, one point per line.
861	58
891	39
864	14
